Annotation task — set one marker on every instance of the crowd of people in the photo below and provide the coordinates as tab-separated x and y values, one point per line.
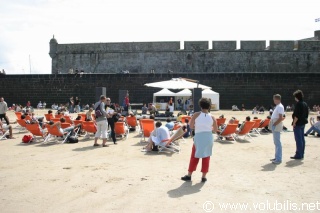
200	126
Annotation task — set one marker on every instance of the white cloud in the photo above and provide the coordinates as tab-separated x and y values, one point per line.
27	26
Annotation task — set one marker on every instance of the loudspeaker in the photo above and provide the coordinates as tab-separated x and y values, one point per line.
197	94
100	91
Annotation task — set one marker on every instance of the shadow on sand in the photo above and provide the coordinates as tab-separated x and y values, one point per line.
186	188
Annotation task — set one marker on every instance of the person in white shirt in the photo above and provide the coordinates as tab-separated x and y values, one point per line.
276	126
3	110
160	136
315	127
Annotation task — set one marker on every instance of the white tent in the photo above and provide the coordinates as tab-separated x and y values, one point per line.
163	92
214	96
185	92
177	83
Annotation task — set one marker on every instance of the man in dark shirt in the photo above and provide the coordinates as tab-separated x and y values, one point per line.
300	119
111	110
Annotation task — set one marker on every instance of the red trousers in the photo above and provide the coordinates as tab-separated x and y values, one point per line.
194	162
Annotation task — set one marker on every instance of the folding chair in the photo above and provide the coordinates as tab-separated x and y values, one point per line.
22	124
55	119
35	130
83	116
172	145
18	114
228	131
220	121
132	122
76	123
147	127
48	117
256	125
68	119
89	127
264	124
245	130
183	118
4	134
58	116
55	132
120	128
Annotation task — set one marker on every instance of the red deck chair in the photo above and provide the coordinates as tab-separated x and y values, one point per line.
89	127
83	116
18	114
55	119
55	133
228	131
35	130
147	126
120	128
68	119
246	129
256	125
58	115
183	118
22	124
48	117
132	122
221	121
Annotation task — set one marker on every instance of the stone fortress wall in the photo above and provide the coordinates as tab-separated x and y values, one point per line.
196	57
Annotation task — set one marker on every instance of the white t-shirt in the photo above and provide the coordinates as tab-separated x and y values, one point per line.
278	110
162	133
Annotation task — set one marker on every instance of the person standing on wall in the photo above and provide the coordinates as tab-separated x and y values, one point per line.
101	120
3	110
276	126
203	124
300	119
111	110
77	105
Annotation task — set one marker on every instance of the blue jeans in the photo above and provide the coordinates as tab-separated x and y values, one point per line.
312	128
300	142
277	143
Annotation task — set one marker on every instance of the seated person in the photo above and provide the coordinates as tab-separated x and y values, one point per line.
159	136
223	126
152	109
261	110
69	129
186	128
169	124
23	117
242	125
89	115
144	109
315	127
4	128
235	108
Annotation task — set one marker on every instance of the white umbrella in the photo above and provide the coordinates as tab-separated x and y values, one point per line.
177	83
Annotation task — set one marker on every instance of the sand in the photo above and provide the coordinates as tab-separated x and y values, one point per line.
121	178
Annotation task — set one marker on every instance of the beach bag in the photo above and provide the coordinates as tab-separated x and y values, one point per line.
27	138
73	139
98	112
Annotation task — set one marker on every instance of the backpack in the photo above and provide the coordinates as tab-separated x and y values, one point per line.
27	139
73	139
98	112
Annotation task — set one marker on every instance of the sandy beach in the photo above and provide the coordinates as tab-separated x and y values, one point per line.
120	178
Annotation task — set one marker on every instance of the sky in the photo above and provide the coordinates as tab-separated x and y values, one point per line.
26	26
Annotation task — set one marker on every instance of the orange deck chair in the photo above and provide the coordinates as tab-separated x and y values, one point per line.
22	124
83	116
147	126
264	124
48	117
58	115
256	125
68	120
89	127
132	122
55	119
173	145
35	130
54	132
228	131
120	128
183	118
18	114
220	121
246	130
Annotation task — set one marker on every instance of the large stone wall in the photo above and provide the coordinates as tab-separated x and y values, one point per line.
142	57
234	88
